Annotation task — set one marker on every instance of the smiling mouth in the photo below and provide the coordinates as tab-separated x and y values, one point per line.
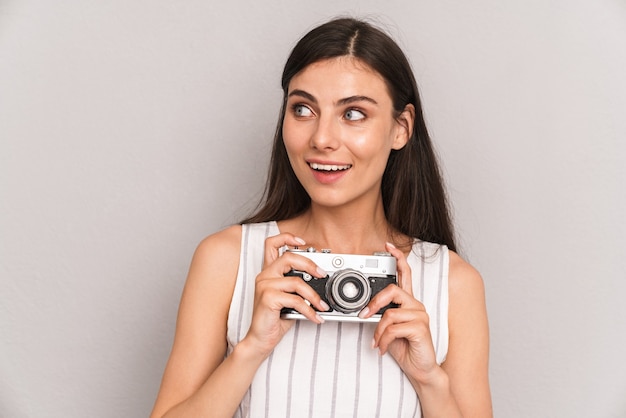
328	167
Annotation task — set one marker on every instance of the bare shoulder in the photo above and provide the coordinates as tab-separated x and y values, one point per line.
200	340
464	281
467	310
211	282
467	361
222	247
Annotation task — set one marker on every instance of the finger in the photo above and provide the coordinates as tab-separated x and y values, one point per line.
277	300
274	243
289	262
393	317
303	307
409	332
390	294
411	325
403	270
292	286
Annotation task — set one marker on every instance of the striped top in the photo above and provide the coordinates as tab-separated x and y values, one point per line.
329	370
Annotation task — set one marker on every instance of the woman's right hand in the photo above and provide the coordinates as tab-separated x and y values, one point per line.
275	291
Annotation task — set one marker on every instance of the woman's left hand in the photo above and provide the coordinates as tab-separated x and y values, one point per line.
404	331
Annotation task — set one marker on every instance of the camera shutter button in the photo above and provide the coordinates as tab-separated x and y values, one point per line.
337	262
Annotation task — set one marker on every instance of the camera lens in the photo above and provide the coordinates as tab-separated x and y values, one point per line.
348	291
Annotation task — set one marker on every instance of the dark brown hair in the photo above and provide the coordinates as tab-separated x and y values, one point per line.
414	198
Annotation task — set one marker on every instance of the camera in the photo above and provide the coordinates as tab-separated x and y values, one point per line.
352	281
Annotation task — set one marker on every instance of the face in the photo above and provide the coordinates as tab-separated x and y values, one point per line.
339	129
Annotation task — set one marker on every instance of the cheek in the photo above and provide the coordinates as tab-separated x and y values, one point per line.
368	143
288	136
293	136
294	141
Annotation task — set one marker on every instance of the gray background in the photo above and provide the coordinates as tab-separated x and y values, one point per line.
129	130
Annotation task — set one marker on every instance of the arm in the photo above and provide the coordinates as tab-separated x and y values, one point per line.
198	380
191	374
467	362
460	386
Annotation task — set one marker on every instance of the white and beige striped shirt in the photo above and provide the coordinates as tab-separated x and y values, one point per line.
329	370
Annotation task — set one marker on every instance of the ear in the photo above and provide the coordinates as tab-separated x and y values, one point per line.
404	127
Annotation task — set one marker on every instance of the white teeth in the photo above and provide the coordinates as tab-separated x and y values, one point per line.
327	167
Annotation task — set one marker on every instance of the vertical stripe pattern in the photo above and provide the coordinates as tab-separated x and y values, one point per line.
329	369
314	367
336	371
357	383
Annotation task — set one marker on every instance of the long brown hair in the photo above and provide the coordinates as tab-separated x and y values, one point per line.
413	194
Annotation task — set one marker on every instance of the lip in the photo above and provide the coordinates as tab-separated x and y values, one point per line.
330	176
325	162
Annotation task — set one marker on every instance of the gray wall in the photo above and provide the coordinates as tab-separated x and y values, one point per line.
129	130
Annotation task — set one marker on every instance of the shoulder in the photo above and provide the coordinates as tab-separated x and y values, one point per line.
466	291
463	278
200	340
216	260
462	275
222	245
467	361
210	284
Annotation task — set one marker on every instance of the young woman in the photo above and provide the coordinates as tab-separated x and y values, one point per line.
352	170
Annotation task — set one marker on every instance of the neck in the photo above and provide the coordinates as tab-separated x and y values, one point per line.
348	230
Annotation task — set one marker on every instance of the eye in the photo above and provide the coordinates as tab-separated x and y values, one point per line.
353	114
301	111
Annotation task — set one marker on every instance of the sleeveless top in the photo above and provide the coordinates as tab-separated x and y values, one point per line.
330	370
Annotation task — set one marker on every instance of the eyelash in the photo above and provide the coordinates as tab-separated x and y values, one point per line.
353	109
296	106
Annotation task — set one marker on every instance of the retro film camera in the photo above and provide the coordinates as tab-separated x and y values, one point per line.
352	281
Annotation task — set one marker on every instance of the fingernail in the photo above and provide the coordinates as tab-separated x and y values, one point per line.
324	306
364	312
373	344
321	272
391	245
319	318
299	240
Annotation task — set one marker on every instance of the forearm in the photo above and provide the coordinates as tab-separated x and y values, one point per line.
221	393
436	396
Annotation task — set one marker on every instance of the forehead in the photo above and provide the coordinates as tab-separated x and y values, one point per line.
341	76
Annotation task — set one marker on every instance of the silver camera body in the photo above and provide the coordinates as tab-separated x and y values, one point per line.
352	281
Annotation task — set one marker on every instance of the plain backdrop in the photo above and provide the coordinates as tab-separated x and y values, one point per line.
130	130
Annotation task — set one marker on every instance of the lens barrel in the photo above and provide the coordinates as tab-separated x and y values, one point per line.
348	291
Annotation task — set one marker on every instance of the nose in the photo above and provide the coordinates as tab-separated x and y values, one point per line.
326	134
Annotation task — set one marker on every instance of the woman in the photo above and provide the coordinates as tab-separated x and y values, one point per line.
352	170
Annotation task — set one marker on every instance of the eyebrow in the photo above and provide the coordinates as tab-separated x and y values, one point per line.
341	102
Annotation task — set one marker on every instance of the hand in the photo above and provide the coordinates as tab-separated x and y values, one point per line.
273	292
404	332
